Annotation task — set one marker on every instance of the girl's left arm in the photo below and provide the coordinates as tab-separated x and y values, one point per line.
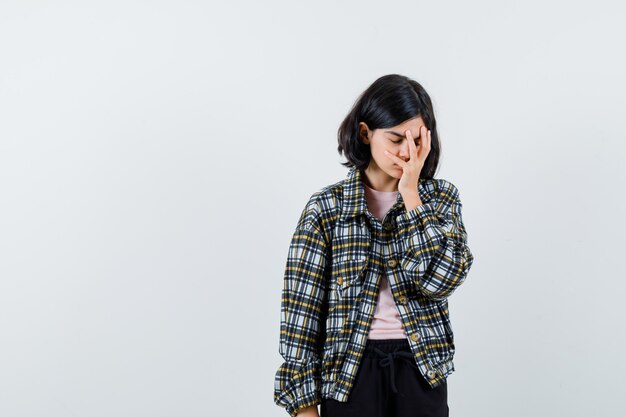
437	257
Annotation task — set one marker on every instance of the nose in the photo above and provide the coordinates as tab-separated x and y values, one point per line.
404	150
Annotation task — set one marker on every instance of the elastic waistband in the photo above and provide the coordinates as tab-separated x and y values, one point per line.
387	352
386	345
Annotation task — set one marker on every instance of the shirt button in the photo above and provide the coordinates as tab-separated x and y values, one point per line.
340	280
402	299
392	263
430	374
388	226
415	337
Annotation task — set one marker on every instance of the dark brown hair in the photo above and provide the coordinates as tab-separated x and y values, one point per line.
391	100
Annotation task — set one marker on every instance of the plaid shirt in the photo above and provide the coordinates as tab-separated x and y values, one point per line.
337	257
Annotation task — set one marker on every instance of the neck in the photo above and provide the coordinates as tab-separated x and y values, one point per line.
379	180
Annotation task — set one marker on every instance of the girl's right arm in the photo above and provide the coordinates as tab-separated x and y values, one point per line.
298	384
310	411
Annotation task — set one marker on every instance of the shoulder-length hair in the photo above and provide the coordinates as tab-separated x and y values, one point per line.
390	100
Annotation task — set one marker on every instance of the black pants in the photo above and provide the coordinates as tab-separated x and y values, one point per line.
389	386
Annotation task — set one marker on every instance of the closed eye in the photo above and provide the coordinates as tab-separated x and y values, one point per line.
398	141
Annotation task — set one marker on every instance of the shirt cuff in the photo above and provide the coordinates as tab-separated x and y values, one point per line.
298	386
420	216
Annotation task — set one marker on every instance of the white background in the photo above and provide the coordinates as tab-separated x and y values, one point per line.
155	157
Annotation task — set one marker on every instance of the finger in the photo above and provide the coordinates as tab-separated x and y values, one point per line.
394	158
412	147
424	145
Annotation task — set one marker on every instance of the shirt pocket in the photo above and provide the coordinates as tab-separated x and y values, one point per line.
447	325
441	345
410	263
332	357
346	284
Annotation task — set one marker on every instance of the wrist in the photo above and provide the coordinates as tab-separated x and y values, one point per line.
411	200
310	411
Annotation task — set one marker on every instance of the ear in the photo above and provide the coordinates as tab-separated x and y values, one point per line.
364	133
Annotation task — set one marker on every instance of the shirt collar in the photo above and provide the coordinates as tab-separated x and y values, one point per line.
354	201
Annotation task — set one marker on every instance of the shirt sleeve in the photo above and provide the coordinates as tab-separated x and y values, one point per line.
298	380
437	257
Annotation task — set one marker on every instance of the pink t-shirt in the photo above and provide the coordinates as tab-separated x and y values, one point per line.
386	323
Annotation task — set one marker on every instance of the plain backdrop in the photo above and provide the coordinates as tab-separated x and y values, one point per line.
155	157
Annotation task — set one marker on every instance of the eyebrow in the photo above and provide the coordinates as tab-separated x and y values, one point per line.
400	135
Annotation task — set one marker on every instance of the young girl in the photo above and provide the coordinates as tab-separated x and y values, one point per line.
365	327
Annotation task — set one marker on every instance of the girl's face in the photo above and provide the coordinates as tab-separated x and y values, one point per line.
392	139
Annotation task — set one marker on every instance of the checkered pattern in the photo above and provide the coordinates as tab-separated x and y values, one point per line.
337	256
